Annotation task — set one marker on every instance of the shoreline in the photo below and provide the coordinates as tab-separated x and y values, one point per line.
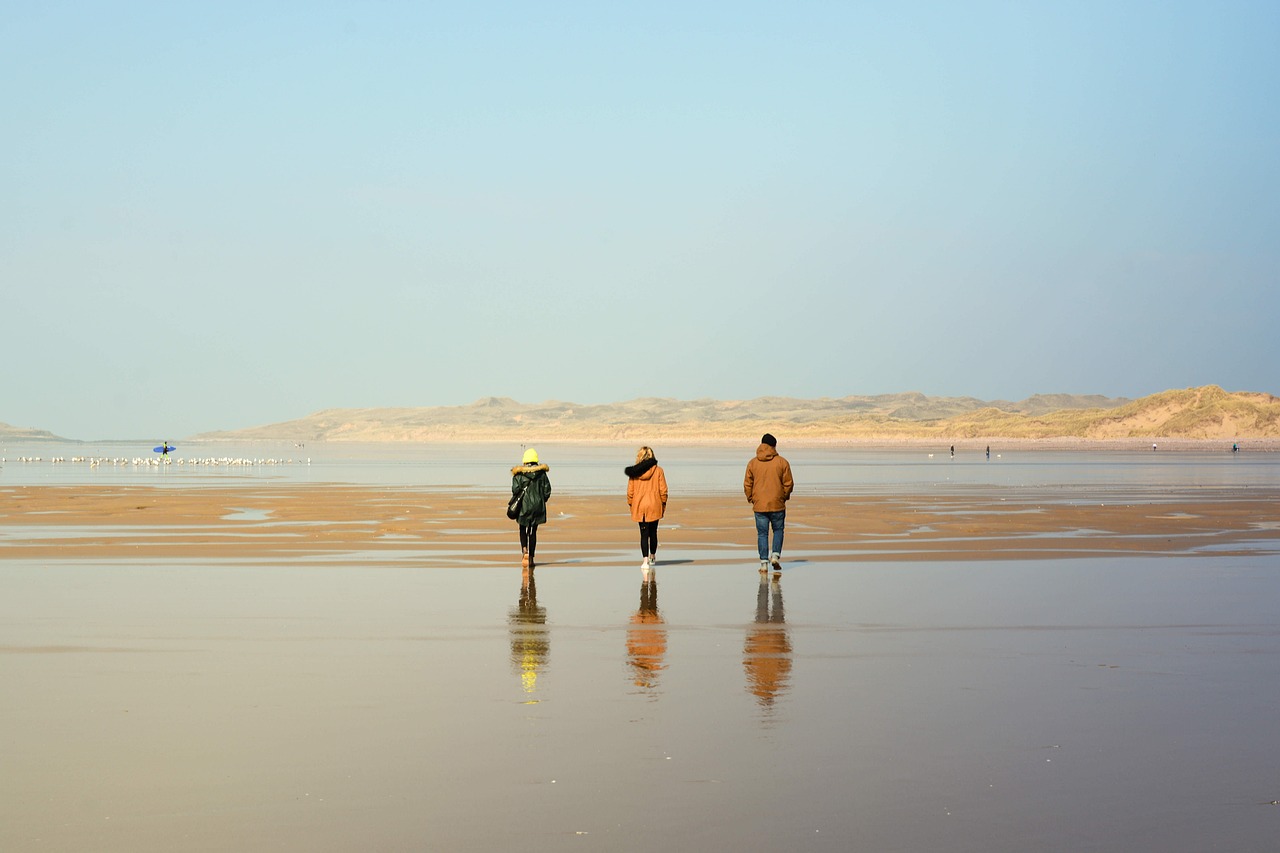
1255	445
1263	444
441	527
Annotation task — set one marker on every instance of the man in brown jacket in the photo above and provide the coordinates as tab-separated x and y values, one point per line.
768	485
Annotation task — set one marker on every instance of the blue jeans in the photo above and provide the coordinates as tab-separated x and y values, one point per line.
765	520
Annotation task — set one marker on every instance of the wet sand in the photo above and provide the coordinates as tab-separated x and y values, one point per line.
333	668
439	527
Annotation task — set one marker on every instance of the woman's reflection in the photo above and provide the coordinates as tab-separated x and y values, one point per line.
530	639
647	636
766	654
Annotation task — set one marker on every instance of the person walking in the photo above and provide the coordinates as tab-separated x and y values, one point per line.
529	480
768	486
647	497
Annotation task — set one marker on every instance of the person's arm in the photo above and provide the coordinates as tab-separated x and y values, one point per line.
662	487
787	483
748	482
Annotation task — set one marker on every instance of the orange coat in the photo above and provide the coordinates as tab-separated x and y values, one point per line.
768	482
647	495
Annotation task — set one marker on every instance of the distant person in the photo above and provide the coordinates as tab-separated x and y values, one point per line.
165	447
1235	447
529	479
953	451
1153	446
988	451
768	486
647	497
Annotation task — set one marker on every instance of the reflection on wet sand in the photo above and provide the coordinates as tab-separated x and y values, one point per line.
766	654
647	637
530	639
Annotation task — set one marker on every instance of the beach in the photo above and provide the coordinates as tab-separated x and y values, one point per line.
1054	659
305	298
447	528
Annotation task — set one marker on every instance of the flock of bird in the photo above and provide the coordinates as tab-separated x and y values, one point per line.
156	462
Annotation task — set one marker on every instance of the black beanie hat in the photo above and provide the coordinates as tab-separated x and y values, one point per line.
769	440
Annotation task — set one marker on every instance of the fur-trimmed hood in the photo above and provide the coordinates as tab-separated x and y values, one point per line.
529	469
638	470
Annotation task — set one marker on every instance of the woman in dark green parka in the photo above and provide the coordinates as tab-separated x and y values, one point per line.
531	478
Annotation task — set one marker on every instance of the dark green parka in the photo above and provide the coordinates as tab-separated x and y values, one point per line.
533	508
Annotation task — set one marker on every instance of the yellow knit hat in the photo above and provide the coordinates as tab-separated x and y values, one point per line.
530	456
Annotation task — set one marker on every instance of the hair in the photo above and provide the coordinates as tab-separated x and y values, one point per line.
643	454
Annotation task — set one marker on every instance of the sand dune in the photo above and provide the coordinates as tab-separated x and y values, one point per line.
1205	413
1195	413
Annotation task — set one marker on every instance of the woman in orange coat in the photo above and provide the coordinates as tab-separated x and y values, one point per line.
647	497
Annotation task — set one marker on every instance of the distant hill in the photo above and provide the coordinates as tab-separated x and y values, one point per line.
1200	413
1196	413
13	433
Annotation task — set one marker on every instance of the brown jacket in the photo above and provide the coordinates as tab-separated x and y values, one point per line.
768	482
646	492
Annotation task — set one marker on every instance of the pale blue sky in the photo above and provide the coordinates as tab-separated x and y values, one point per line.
227	214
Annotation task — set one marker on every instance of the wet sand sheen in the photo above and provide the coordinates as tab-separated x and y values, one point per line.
295	667
439	526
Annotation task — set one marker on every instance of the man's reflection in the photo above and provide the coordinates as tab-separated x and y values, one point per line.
647	636
766	654
530	639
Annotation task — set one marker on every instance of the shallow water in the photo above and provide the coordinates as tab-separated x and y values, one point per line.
1103	704
593	468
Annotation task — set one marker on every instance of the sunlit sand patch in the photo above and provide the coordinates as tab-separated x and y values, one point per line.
244	521
453	531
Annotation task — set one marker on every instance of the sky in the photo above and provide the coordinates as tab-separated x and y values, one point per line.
223	215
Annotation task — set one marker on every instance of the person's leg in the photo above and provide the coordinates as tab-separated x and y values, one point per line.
762	535
533	541
524	546
778	520
653	541
644	539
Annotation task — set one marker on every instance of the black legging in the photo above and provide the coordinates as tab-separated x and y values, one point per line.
529	539
648	538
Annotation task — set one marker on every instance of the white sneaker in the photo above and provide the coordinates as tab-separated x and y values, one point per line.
764	567
644	564
776	559
653	559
